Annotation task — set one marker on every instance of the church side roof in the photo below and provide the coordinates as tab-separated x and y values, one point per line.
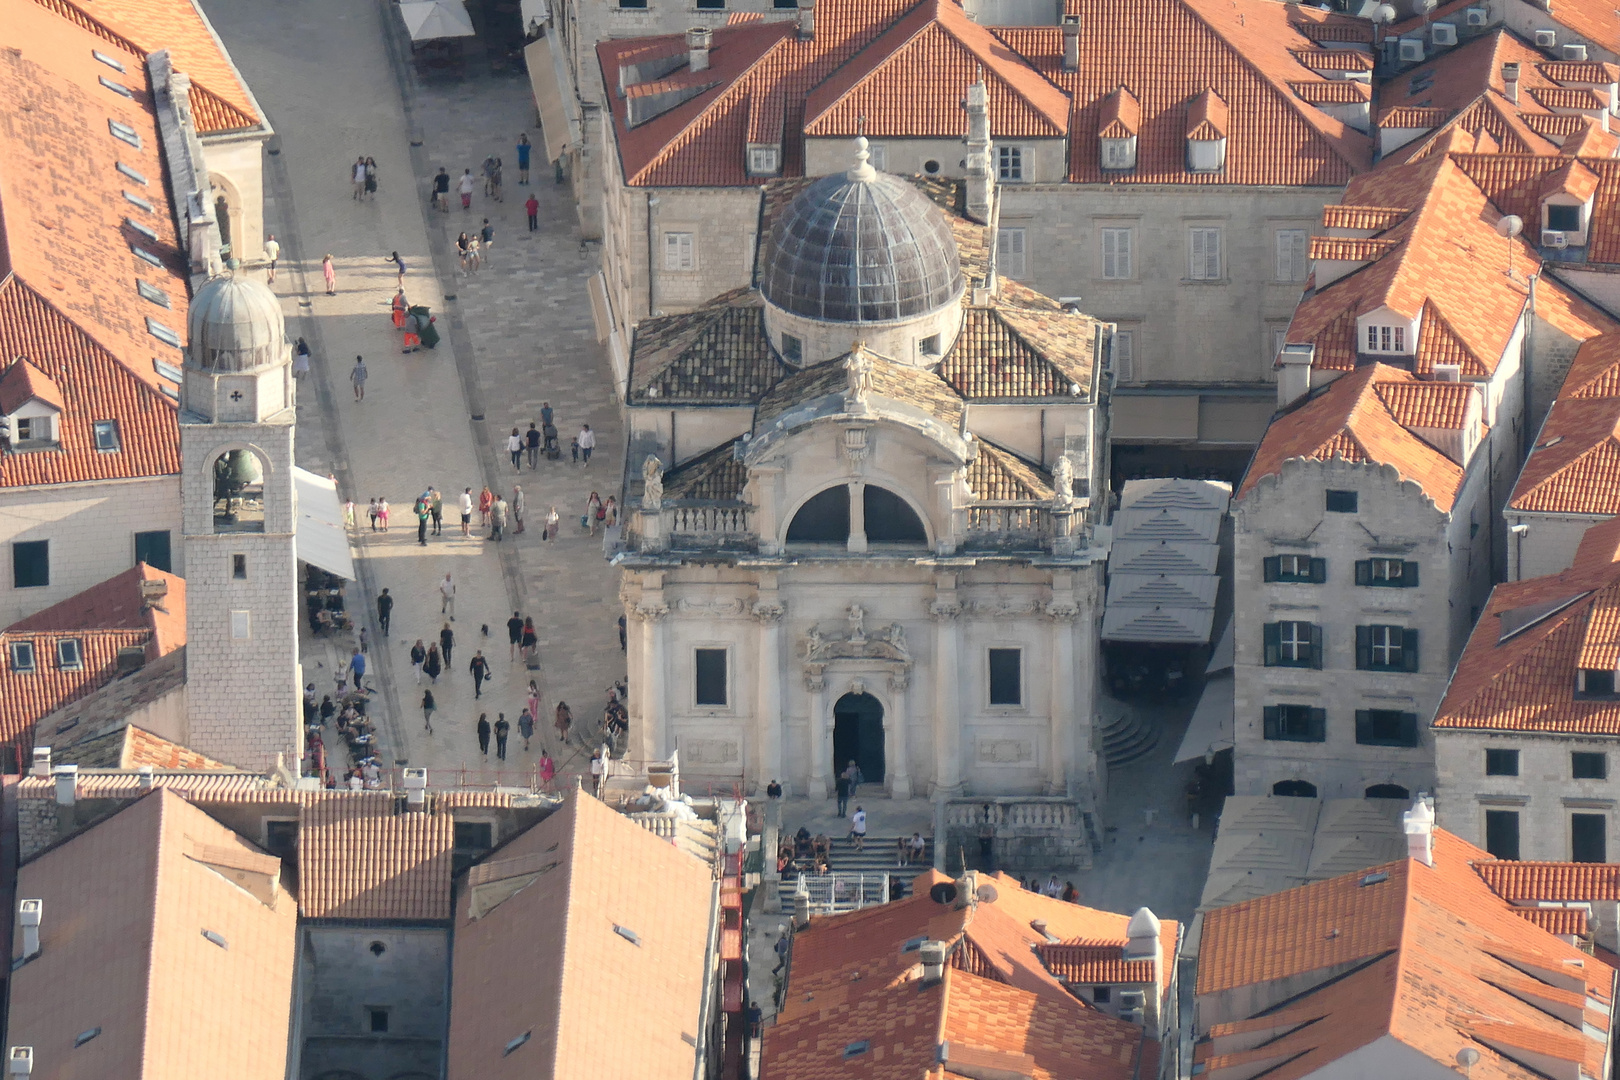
1012	353
999	475
890	379
716	355
713	476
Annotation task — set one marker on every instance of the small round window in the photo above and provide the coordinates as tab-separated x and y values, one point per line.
931	167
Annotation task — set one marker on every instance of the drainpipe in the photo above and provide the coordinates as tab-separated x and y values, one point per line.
652	248
1527	354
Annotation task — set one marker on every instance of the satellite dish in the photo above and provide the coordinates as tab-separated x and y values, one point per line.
1383	13
1509	227
1468	1057
986	894
1422	7
943	893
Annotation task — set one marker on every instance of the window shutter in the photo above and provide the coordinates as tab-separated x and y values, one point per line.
1271	567
1409	732
1316	646
1364	728
1409	575
1197	268
1272	640
1125	356
1273	720
1285	255
1318	571
1363	647
1110	239
1212	254
1363	571
1409	650
1318	726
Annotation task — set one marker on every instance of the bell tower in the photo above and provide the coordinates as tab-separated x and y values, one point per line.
239	521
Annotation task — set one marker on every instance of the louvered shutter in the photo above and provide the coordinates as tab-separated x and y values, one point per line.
1318	571
1363	647
1271	567
1409	650
1409	575
1316	646
1273	721
1272	639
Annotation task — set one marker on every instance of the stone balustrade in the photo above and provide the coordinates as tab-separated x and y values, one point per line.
715	523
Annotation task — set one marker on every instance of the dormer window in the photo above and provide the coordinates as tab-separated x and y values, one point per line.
1595	683
1206	155
1564	218
764	160
37	430
1119	154
1121	119
1207	118
1386	339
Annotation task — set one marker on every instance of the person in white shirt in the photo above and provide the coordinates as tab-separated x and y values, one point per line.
359	177
272	252
447	589
466	512
857	829
465	187
587	443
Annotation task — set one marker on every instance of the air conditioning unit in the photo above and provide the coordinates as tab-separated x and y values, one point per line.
1477	16
1575	54
1554	238
1411	50
1131	1016
416	781
1132	999
1443	34
1546	39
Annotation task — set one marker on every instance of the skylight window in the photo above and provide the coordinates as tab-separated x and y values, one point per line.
132	174
162	333
116	87
517	1042
116	65
168	371
153	293
135	200
145	230
629	935
856	1049
85	1036
217	938
125	133
142	253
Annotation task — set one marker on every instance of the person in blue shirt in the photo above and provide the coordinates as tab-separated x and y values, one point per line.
523	158
357	664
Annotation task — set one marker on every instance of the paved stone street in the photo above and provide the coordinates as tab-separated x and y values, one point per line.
514	335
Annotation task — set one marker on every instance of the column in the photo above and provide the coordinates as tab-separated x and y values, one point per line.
857	516
816	683
898	751
768	610
655	741
1065	699
947	693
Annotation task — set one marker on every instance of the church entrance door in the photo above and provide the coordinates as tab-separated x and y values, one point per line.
858	736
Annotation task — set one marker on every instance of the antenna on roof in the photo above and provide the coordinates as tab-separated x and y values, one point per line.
1509	227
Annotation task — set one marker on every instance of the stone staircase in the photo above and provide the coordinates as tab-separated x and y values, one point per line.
1127	738
878	859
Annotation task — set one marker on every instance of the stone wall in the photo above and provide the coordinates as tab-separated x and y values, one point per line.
344	976
1031	835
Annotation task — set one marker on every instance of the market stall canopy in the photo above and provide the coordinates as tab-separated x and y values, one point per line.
429	20
321	538
1210	730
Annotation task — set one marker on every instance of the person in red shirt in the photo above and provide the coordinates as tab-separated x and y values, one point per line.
532	208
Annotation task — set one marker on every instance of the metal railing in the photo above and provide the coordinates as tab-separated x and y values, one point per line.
832	893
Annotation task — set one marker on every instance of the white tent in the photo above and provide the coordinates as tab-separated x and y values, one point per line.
429	20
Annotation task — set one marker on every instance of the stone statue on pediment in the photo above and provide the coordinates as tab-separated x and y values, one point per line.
652	483
1063	483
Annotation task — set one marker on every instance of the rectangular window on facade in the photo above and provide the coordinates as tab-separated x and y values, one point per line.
877	153
1587	765
1006	676
1386	727
1588	837
31	564
1502	833
1292	248
152	548
34	429
22	656
1010	252
1116	253
761	159
711	676
1564	218
929	346
378	1019
1010	162
1387	573
1341	502
1501	763
679	253
635	4
1386	648
241	625
239	567
792	349
1101	995
1295	723
1204	253
1297	568
1124	351
1279	338
1293	644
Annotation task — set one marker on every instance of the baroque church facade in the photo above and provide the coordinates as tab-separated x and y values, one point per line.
866	509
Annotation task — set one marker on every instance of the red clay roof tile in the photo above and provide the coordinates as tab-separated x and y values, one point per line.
362	858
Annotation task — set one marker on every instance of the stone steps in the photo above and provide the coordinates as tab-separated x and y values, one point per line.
1127	739
877	858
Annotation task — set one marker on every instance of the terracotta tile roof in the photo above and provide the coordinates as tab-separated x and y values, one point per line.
1343	92
365	859
1571	313
1574	467
1081	963
1351	249
1374	219
219	100
1555	126
22	383
718	354
1570	922
1353	420
999	475
130	747
1425	955
1121	115
126	906
891	379
1208	117
1428	404
1318	26
1004	353
1559	97
1409	116
714	476
1564	881
1333	59
104	619
1513	182
540	953
1595	371
1526	680
880	84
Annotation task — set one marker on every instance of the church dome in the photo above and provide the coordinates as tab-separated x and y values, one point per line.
235	324
861	247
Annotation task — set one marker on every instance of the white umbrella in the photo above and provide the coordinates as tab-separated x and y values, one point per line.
428	20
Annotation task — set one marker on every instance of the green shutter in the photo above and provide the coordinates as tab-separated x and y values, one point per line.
1409	650
1409	729
1363	571
1318	725
1363	647
1409	575
1272	640
1271	567
1364	728
1316	647
1272	722
1318	571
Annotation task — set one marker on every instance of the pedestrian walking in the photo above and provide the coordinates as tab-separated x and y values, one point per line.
466	512
624	642
418	656
519	505
532	207
857	829
436	510
447	596
399	268
502	729
531	443
498	519
532	702
573	448
301	359
610	512
491	163
514	633
464	250
329	272
782	948
587	443
441	191
420	508
563	722
526	728
371	178
529	643
357	664
553	523
841	789
486	237
483	734
272	252
486	503
357	177
358	378
523	150
548	769
852	773
480	671
432	666
348	513
382	513
592	505
385	611
475	254
547	414
447	643
371	512
598	768
514	446
428	707
465	186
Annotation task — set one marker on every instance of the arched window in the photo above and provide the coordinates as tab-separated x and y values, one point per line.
238	482
1299	789
1388	791
822	520
890	519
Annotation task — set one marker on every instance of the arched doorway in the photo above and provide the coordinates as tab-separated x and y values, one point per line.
1299	789
858	736
1388	791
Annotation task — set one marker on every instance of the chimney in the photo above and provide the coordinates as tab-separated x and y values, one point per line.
1142	943
980	178
42	761
28	916
416	788
1510	80
143	776
1071	43
67	784
807	20
1419	825
698	40
21	1061
932	954
1294	374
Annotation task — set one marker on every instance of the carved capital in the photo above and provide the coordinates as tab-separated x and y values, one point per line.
899	680
1062	610
651	610
815	681
769	612
944	609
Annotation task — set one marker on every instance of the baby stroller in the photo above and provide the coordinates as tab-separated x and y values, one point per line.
419	329
553	451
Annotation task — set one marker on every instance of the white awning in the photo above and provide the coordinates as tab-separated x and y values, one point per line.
1221	658
553	96
1211	726
322	539
1165	625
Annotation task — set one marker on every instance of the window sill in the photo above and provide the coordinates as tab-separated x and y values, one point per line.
35	446
1389	670
1391	744
1386	585
1295	738
1297	666
1206	281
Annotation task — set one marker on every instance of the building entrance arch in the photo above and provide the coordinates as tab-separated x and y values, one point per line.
858	736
